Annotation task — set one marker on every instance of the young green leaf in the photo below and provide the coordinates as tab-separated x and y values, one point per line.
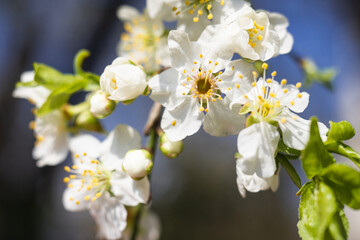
293	153
48	76
320	215
340	131
289	169
345	182
61	95
315	157
344	150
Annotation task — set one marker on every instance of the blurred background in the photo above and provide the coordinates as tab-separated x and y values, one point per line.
195	196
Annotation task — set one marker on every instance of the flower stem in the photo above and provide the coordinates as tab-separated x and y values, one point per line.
150	130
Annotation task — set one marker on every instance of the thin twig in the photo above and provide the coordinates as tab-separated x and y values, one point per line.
153	119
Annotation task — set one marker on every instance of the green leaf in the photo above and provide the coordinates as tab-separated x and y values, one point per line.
93	79
315	157
289	169
288	151
344	150
27	84
47	76
320	215
79	59
345	182
61	95
340	131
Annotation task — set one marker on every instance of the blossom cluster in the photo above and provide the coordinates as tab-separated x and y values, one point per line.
210	71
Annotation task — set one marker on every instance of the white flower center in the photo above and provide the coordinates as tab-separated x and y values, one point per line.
202	83
90	177
197	7
267	104
255	34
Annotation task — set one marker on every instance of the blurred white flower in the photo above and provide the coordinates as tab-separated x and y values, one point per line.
97	181
193	15
145	39
256	35
51	146
123	80
192	90
269	104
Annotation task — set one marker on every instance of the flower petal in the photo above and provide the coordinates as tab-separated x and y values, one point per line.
296	130
221	120
257	145
73	199
119	141
129	191
110	216
183	121
85	143
182	51
166	89
127	13
254	183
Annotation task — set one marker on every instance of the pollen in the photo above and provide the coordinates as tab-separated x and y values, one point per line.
283	82
268	80
74	167
201	56
77	202
241	76
265	66
298	85
66	179
67	169
253	84
173	123
274	73
98	194
259	37
210	16
201	109
237	86
195	19
254	74
76	155
286	90
273	95
283	120
292	103
32	125
200	12
84	153
299	95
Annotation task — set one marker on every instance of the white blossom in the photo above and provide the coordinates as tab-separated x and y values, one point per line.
98	183
123	80
51	146
269	104
192	91
256	35
145	39
193	15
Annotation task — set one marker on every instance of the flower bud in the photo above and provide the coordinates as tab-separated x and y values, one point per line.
170	149
101	106
137	163
123	80
87	121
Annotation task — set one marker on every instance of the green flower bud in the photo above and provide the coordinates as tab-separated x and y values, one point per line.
101	106
87	121
137	163
170	149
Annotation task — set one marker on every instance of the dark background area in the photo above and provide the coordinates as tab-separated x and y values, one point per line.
195	196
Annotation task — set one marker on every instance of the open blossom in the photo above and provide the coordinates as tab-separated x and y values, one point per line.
144	41
51	146
98	183
256	35
270	104
193	15
123	80
192	92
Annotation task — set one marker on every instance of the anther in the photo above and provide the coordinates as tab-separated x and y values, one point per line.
173	123
66	179
74	167
195	19
67	168
265	66
298	85
283	120
283	82
273	73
